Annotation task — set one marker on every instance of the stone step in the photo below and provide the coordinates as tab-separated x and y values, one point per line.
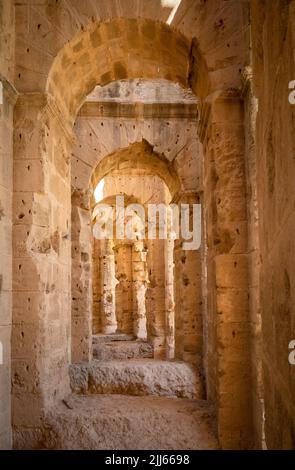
101	338
97	422
122	350
137	377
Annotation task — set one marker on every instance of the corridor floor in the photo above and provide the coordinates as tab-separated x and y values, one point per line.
125	422
126	400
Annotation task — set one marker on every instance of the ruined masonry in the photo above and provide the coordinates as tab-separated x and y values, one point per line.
177	103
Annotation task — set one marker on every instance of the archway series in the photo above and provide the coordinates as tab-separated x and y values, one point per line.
124	104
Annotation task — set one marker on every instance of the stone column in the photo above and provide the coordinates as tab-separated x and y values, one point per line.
188	293
7	100
250	118
169	298
140	278
41	338
82	296
156	304
229	362
124	294
108	306
97	279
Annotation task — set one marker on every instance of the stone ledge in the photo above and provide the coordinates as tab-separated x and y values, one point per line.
140	110
122	350
137	377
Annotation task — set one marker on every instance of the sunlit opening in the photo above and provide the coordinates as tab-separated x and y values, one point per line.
174	4
169	3
98	192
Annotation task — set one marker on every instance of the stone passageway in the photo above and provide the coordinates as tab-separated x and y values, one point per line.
124	399
168	127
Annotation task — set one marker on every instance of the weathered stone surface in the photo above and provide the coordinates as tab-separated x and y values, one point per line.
113	422
176	91
7	101
122	350
273	45
137	377
102	338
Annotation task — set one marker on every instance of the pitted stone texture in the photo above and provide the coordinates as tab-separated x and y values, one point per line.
142	91
101	338
113	422
137	377
173	138
147	39
7	99
272	32
122	350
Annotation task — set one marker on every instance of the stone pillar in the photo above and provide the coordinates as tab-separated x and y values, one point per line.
124	294
188	293
251	109
156	303
41	339
108	307
140	278
82	298
229	362
169	299
97	289
7	101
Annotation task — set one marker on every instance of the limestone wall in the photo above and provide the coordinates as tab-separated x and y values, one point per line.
7	38
101	136
81	278
6	133
41	264
218	26
228	347
250	115
7	99
273	37
64	51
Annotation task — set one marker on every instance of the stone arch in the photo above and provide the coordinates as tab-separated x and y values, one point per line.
179	60
121	49
174	139
114	302
138	157
218	28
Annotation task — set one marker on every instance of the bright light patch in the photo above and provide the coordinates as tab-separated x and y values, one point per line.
169	3
98	192
174	4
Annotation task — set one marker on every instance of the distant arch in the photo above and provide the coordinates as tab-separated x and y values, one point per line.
137	158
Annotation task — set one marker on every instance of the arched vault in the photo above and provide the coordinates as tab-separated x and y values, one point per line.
138	158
